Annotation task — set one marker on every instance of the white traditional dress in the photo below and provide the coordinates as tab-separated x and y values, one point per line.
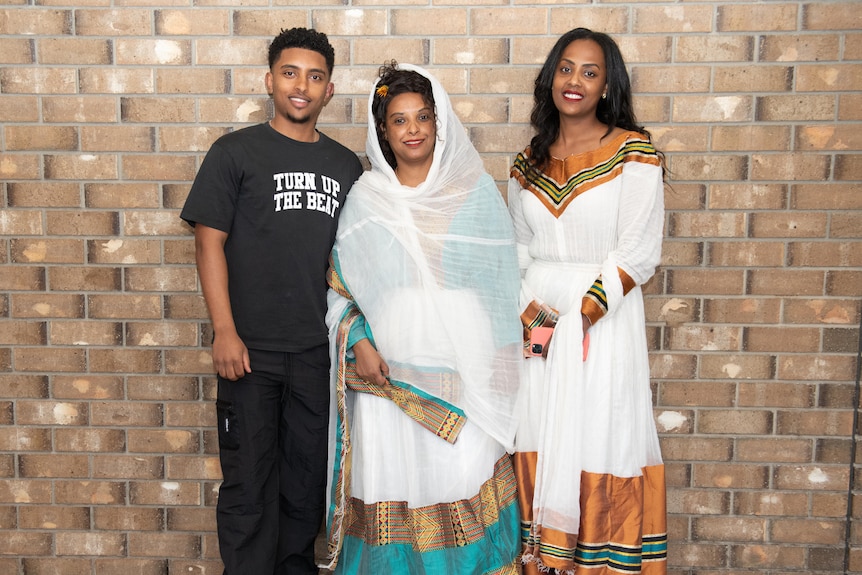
590	472
422	482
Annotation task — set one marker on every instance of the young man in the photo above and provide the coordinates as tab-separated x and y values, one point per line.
264	206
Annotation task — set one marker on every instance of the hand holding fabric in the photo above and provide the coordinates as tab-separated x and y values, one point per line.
370	366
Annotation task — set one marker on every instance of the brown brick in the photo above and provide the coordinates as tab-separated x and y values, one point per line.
190	519
669	366
681	138
157	109
28	138
831	17
56	251
817	423
679	448
681	253
16	51
185	307
188	139
730	475
612	20
35	21
125	360
152	51
786	281
730	528
776	450
828	311
829	504
26	543
123	251
125	195
61	518
777	339
670	79
695	554
49	412
117	138
83	278
739	366
88	440
815	138
712	109
749	79
24	108
153	223
71	109
376	50
824	253
34	359
49	566
714	48
189	414
790	166
835	395
53	465
21	222
670	19
161	167
767	394
128	466
239	110
836	340
25	439
125	414
91	543
807	531
25	491
706	282
698	502
828	77
78	223
707	224
816	367
746	254
684	393
767	556
19	166
163	441
703	337
164	493
75	51
128	519
757	18
774	503
737	421
161	279
833	450
81	167
754	138
788	224
43	195
180	251
19	278
193	468
164	545
114	306
163	388
672	310
22	333
849	107
794	107
846	226
90	492
177	22
844	283
798	48
709	168
86	386
26	386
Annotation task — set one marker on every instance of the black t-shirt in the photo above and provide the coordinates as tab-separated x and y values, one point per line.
278	200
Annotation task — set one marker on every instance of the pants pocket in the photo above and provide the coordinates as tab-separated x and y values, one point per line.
228	430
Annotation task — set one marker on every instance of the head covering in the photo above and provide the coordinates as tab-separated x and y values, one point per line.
433	269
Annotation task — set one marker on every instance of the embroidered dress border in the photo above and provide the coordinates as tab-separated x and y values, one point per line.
557	195
434	527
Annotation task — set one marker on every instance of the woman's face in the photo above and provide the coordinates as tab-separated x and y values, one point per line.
580	79
411	129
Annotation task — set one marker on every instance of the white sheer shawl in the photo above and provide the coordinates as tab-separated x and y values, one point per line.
433	269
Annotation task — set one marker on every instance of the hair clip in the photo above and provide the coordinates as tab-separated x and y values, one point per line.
382	90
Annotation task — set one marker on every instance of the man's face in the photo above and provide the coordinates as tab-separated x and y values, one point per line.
300	85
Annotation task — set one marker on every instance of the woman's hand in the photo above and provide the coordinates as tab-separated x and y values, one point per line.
369	365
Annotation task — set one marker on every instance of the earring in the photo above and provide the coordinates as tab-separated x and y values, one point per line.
605	96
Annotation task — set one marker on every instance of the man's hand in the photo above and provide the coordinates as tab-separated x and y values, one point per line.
230	356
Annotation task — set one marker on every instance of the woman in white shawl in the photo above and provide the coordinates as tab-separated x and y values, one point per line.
425	332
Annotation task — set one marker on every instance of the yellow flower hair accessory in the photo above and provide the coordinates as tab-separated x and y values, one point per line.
382	90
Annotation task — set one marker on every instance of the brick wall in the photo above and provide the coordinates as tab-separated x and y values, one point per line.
107	455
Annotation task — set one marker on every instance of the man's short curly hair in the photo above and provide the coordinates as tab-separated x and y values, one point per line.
302	38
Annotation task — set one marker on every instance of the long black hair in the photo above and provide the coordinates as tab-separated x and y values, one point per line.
615	110
393	82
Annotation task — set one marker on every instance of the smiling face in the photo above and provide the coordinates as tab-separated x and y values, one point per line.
410	128
300	88
580	79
